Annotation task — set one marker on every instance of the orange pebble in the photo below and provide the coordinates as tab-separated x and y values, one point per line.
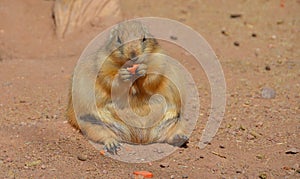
145	174
102	152
133	68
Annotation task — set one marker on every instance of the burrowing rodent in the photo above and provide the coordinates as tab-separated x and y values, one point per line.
101	123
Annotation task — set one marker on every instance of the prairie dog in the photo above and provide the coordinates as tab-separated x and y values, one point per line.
95	109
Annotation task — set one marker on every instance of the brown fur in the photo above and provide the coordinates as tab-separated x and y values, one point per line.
102	124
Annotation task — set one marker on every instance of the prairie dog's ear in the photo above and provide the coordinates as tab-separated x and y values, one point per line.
149	36
146	32
114	33
114	40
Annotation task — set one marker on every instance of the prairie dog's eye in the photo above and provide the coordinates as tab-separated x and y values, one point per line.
144	39
119	40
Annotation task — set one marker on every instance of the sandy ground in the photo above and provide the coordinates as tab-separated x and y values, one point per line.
258	138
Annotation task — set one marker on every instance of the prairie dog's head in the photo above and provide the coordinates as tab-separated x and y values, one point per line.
129	40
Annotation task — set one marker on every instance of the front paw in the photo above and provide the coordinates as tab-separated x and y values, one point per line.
141	70
124	74
112	146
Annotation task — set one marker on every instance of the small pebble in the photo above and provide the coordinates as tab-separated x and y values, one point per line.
185	176
82	157
268	93
273	37
292	151
33	163
259	156
222	146
173	37
253	35
279	22
268	68
223	31
164	165
172	177
262	176
233	16
236	43
43	167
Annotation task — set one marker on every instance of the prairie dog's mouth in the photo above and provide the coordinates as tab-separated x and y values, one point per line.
130	63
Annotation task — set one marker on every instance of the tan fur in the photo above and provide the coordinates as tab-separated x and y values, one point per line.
111	129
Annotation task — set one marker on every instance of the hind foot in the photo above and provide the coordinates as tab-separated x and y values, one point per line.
179	140
112	146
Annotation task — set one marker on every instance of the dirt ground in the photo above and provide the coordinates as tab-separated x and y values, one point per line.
258	138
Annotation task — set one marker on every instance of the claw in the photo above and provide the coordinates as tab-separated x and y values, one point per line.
125	75
141	70
112	147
